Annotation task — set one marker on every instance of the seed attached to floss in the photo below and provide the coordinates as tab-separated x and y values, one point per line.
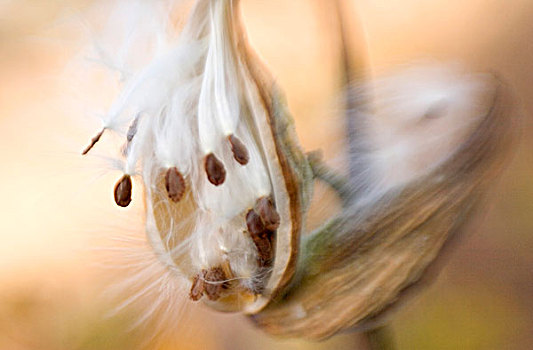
216	173
266	210
262	222
261	236
123	191
254	223
264	249
210	282
175	184
240	153
94	140
215	282
132	130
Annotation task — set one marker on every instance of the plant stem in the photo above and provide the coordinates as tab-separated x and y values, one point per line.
354	68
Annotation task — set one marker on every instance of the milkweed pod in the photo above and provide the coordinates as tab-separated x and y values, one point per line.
206	236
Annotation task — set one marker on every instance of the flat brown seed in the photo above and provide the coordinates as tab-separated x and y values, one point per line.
197	288
261	236
240	153
175	184
255	224
94	140
123	191
215	279
264	250
216	173
266	210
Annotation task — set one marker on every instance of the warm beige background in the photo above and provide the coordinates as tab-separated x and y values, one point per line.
56	207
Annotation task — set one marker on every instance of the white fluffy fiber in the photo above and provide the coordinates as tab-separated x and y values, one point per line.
187	99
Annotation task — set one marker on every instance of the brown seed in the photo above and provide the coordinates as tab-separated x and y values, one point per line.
175	184
215	170
94	140
123	191
266	210
198	288
214	282
255	224
262	238
240	153
264	250
132	129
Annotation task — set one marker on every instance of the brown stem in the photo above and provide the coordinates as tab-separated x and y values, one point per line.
355	67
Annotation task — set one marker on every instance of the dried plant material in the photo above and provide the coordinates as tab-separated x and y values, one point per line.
266	210
215	282
94	140
216	173
381	248
264	248
262	238
421	151
254	223
240	153
197	288
174	184
123	191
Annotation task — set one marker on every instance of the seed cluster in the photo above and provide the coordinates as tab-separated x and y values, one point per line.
211	283
262	223
174	180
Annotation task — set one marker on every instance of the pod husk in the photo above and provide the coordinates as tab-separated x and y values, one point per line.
353	276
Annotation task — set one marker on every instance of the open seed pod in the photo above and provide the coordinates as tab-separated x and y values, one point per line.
226	184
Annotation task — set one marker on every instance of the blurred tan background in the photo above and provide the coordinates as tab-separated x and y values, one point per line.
56	208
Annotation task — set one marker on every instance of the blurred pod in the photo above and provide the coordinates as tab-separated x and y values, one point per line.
402	209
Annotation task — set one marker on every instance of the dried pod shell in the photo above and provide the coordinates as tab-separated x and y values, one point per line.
123	191
381	253
289	170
